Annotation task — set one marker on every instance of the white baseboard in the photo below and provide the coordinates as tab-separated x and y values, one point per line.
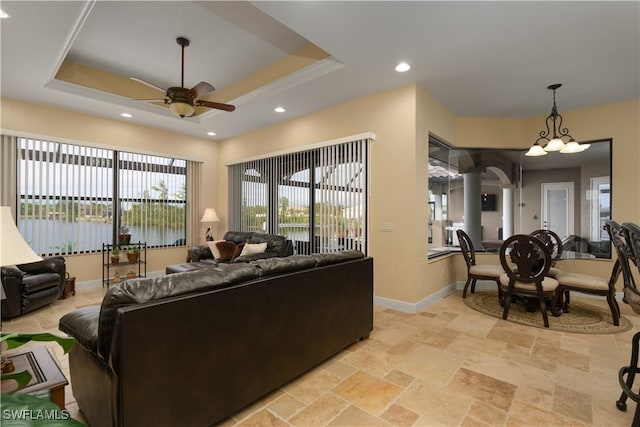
413	308
481	285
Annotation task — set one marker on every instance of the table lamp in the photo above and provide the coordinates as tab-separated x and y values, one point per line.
13	249
210	216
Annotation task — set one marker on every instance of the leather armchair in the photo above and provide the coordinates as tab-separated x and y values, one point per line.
31	286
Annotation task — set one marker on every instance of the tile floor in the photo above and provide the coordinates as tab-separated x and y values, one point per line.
446	366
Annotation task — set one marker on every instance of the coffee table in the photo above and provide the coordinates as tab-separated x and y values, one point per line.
45	373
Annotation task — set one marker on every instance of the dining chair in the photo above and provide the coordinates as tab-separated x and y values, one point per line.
475	271
626	240
526	261
551	240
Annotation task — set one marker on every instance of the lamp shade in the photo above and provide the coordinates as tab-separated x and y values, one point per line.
556	144
182	109
210	215
535	150
13	249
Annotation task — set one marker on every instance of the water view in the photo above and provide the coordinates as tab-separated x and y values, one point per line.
56	236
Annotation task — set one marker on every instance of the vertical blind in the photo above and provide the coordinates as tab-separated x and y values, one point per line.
73	198
317	198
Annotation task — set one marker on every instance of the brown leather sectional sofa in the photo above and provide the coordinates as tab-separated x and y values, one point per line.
193	348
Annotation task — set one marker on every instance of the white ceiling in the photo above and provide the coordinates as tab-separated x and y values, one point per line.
491	59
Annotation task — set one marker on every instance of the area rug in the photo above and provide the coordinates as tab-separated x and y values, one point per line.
582	319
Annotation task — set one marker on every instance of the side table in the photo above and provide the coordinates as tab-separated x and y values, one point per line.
45	373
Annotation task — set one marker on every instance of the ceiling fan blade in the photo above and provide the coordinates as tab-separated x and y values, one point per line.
201	89
152	100
217	105
151	85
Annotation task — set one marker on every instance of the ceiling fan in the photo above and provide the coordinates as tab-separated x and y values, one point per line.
182	101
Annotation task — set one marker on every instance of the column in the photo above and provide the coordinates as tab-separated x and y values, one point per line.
472	207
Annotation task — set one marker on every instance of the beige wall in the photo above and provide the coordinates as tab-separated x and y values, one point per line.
391	116
34	119
401	118
620	121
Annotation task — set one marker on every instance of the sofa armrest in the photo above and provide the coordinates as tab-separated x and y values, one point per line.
47	265
12	285
82	324
198	253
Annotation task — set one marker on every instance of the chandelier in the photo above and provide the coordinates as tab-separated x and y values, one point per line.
554	133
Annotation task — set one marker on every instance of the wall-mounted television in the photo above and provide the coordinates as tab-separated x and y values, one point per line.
489	202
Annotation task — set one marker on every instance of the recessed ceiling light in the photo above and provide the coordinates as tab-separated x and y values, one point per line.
402	67
3	14
279	110
211	133
127	115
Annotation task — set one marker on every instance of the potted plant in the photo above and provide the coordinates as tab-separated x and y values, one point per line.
124	237
131	274
115	255
133	253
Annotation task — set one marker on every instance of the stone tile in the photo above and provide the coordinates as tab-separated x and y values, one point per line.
573	404
438	339
367	392
526	415
399	416
486	414
262	418
400	378
312	385
320	412
339	368
431	364
353	416
483	388
464	344
436	405
285	406
373	361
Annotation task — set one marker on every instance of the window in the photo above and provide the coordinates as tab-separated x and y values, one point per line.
316	198
515	184
73	198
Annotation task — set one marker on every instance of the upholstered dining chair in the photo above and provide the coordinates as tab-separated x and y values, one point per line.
526	261
551	240
626	240
475	271
596	285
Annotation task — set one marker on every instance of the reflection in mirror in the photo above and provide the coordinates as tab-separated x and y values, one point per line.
495	193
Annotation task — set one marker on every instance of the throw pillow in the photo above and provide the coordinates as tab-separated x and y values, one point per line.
214	248
226	250
253	248
237	251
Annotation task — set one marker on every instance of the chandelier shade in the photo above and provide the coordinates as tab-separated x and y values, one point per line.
182	109
551	138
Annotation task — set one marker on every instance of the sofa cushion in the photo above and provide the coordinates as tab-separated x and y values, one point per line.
272	266
146	289
191	266
275	243
337	257
238	236
225	250
36	282
253	248
213	247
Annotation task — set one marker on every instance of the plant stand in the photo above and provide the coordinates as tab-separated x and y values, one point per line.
139	265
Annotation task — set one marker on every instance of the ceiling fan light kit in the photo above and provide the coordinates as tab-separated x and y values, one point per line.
182	101
554	133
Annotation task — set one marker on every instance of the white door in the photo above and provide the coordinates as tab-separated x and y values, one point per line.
600	207
557	208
